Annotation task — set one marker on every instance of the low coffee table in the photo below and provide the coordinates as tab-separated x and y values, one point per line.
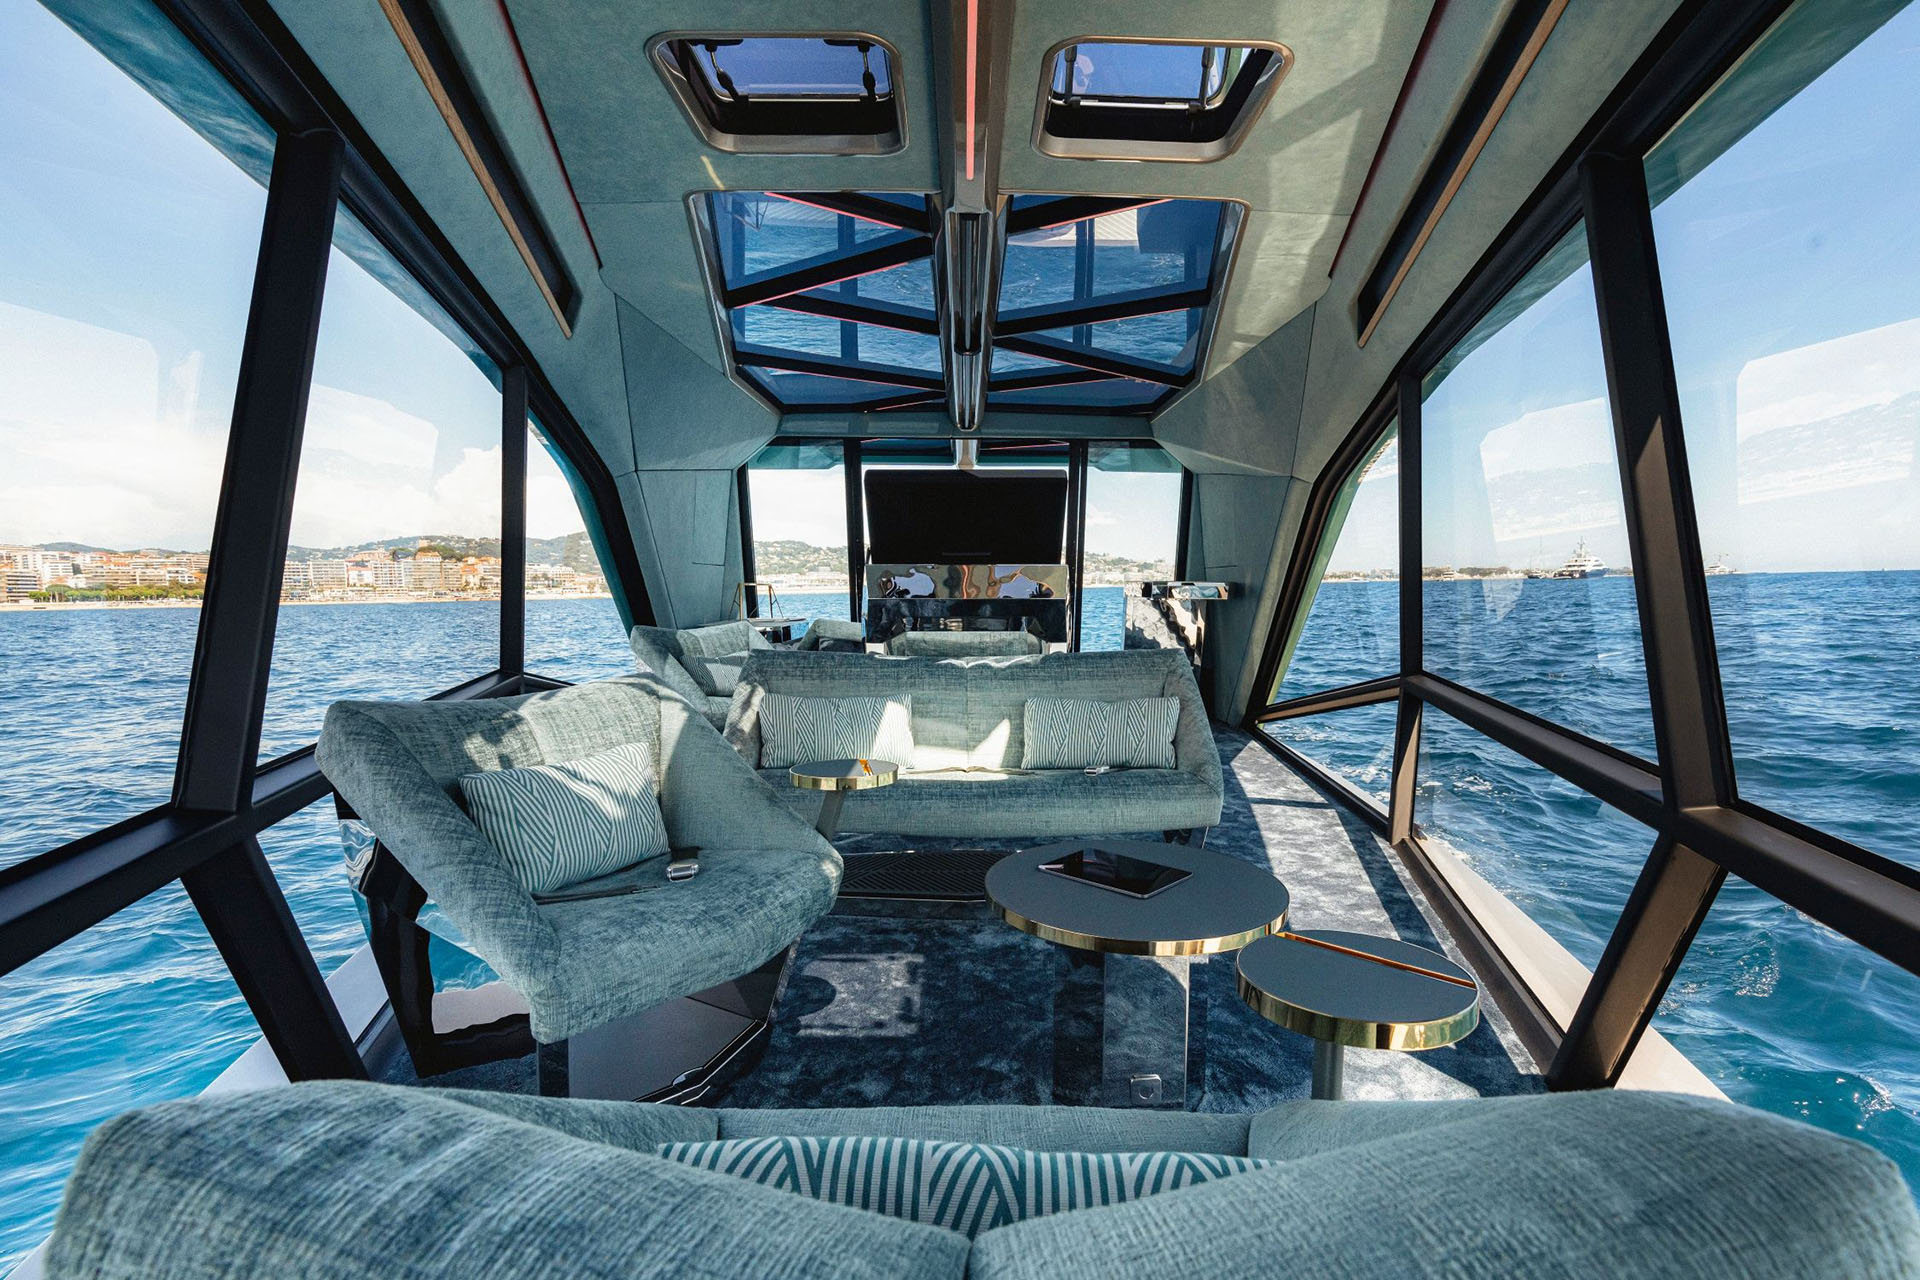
836	778
1355	989
1145	948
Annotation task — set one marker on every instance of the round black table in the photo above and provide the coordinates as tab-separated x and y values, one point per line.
1355	989
1144	948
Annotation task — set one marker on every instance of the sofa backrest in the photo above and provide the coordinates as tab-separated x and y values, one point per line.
682	657
965	644
970	712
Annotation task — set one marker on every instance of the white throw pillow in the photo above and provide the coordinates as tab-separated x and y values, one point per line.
559	824
1079	733
805	730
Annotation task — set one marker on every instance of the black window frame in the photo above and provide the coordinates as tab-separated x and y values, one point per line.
1700	830
207	836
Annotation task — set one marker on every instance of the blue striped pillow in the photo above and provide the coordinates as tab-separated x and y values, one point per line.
559	824
962	1186
1075	733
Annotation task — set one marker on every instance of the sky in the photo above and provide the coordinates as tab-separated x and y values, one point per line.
1791	267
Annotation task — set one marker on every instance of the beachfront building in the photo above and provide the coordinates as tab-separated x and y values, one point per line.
1127	639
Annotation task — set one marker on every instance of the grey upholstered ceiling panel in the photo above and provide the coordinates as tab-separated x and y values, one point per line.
1247	418
685	413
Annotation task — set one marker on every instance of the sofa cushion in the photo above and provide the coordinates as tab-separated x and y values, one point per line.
965	644
803	730
557	824
1036	1128
717	677
962	1186
1075	733
361	1180
1023	803
1603	1183
719	639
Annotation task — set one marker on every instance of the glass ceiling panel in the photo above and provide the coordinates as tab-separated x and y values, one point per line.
1009	362
909	285
814	391
1164	339
801	334
1113	393
792	67
758	232
1130	456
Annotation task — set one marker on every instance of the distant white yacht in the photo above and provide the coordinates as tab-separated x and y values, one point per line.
1582	564
1720	568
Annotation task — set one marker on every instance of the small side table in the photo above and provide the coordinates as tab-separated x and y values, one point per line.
1355	989
836	778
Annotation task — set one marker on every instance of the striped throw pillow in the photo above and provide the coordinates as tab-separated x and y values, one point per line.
962	1186
1076	733
559	824
804	730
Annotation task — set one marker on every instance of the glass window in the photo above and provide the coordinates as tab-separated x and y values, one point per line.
392	585
1527	591
309	862
1556	852
1140	100
1352	628
797	499
1354	745
124	285
140	1009
1132	533
786	94
573	624
1794	305
1786	1015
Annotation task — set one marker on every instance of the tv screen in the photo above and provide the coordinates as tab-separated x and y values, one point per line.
965	517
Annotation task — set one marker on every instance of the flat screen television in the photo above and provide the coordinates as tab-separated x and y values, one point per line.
966	517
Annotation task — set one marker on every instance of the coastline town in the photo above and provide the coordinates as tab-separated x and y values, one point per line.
66	575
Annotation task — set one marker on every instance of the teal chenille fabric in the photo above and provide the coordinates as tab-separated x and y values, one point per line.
765	873
1075	733
1043	1128
324	1181
967	1187
658	651
965	644
558	824
1553	1187
803	730
701	664
968	721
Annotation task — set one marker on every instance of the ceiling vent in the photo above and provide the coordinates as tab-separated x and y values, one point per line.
835	95
1112	98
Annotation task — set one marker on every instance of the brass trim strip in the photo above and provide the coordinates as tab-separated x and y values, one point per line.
1406	1037
417	54
1141	947
1382	960
871	779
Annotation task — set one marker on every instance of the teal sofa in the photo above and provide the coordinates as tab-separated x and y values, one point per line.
356	1180
965	644
765	875
965	778
701	664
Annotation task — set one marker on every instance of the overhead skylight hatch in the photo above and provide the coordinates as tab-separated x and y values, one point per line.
1124	99
786	94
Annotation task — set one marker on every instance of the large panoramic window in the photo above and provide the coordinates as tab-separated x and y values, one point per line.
392	583
1794	307
1790	263
124	282
1556	852
1527	591
1352	628
573	626
1132	533
797	500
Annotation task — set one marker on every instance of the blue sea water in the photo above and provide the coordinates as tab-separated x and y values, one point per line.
1779	1011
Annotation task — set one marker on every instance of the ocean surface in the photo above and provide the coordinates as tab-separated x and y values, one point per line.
1782	1013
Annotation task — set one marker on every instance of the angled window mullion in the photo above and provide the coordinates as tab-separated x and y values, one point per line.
752	357
1104	362
1058	213
881	315
1048	378
866	208
827	269
1113	306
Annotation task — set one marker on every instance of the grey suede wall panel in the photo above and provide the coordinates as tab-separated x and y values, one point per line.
1246	419
1240	518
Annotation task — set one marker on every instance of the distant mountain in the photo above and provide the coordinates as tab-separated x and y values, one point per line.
574	550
